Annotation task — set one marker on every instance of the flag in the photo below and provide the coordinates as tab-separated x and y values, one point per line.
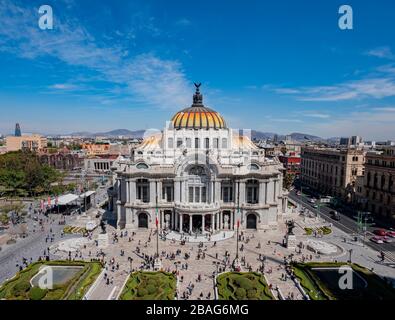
238	223
156	218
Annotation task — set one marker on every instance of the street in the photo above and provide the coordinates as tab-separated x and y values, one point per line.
346	224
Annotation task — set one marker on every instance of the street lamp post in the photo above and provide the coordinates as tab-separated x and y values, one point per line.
350	252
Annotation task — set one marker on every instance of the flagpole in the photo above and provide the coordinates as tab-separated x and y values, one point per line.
157	223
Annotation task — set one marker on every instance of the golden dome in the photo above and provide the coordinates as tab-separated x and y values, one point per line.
198	116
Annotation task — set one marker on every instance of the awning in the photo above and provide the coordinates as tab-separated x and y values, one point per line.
66	199
87	194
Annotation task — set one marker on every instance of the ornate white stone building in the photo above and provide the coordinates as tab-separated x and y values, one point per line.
198	175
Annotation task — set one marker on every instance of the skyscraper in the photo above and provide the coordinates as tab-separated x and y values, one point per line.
18	130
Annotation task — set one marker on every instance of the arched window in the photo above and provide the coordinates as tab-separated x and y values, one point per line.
207	143
224	143
253	166
215	143
141	165
170	143
188	142
197	143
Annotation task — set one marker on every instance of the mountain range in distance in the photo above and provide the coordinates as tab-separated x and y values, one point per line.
258	135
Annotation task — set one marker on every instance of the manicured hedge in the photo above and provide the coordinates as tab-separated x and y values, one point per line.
243	286
150	286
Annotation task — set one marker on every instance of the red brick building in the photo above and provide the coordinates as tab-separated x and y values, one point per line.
291	163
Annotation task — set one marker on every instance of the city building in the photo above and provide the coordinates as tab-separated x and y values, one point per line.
332	171
93	149
99	163
61	160
198	175
291	163
33	142
18	132
377	193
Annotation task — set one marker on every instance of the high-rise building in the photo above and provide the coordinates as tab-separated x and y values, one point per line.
18	132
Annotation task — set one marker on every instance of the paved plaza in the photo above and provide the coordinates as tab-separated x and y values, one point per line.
196	261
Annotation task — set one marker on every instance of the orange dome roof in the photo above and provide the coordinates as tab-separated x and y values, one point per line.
198	116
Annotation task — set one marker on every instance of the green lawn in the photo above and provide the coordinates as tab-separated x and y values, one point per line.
324	285
243	286
19	288
150	286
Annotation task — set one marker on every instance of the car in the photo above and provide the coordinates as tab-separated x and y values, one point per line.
378	240
380	232
312	200
388	239
391	234
315	206
298	193
335	215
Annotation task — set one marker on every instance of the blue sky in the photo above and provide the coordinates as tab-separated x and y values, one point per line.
278	66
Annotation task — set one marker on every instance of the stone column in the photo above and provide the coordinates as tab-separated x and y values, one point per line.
217	222
172	220
221	220
190	223
217	191
180	222
202	223
261	192
160	191
152	191
127	191
242	193
266	185
162	219
232	220
275	182
119	189
176	191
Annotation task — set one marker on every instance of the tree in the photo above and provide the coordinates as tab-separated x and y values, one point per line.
21	173
288	180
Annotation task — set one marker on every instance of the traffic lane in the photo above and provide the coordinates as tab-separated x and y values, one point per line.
349	222
349	227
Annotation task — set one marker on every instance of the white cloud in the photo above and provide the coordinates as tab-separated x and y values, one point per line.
376	88
317	115
148	78
375	124
381	52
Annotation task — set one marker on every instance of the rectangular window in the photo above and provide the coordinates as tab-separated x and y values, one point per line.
197	194
190	194
179	142
215	143
188	143
197	146
207	143
203	194
170	143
